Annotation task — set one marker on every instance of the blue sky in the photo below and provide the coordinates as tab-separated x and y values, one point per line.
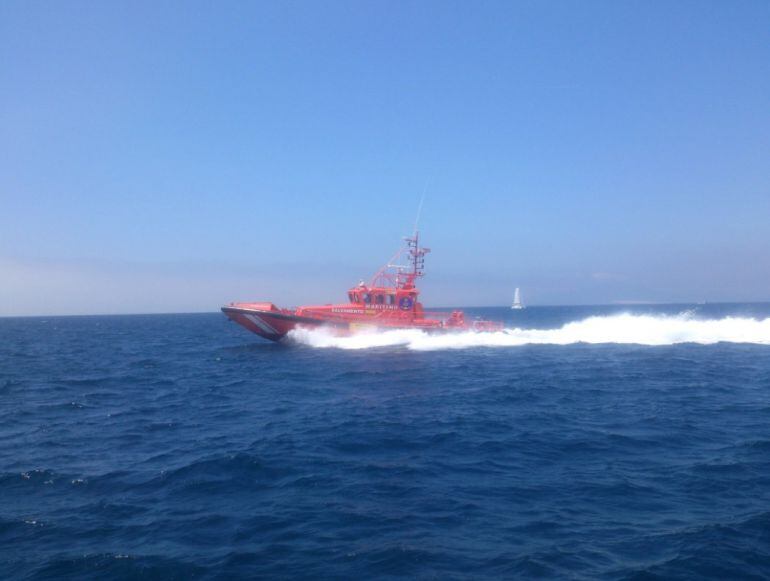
173	156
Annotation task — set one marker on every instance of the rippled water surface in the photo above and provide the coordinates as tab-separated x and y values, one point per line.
181	446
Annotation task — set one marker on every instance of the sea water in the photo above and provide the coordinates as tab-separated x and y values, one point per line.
583	442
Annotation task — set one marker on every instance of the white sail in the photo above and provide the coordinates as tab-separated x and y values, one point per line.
517	300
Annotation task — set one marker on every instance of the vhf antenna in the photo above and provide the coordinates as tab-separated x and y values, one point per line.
419	208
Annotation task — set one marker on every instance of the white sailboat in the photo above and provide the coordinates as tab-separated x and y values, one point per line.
517	300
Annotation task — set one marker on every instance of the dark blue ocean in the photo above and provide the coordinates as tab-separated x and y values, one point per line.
589	442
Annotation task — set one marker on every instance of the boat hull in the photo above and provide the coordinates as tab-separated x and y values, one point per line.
270	324
276	324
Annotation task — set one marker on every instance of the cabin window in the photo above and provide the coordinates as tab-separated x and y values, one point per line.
367	298
380	299
391	299
351	298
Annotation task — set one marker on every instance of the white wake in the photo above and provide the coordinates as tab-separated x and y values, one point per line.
625	328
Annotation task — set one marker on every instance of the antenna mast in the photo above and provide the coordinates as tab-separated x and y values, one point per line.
419	208
403	277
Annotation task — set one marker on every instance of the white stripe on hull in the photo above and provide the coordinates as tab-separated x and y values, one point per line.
262	324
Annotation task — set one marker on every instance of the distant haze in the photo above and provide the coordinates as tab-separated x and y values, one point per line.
159	157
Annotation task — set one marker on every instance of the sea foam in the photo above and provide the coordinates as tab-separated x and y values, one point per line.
620	329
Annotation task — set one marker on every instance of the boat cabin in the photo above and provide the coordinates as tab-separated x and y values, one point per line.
384	298
372	297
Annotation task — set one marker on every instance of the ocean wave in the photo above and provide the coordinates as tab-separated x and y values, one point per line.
275	461
116	565
619	329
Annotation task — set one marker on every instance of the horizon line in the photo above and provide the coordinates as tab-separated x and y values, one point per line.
539	305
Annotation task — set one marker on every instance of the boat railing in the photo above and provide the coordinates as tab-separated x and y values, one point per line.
440	315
